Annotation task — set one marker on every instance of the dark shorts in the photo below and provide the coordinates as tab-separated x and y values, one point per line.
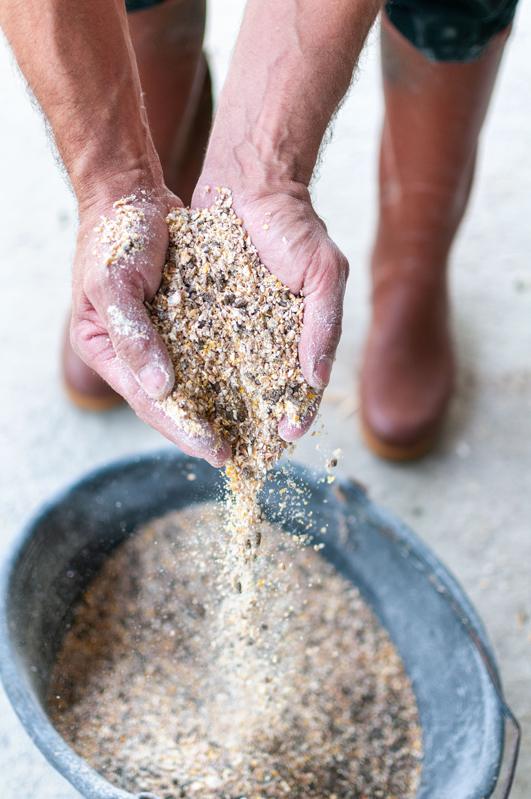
138	5
450	30
444	30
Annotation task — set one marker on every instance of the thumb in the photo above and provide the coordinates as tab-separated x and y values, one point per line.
321	329
138	345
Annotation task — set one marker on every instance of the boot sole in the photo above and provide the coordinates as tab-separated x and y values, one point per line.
88	402
398	453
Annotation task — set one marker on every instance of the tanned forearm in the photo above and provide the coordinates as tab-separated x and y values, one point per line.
77	59
292	65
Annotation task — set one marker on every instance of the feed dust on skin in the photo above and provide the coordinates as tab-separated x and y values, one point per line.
215	655
125	233
155	690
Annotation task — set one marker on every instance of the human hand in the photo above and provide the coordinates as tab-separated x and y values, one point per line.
293	243
121	250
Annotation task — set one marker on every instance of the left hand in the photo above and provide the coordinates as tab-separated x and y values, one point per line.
110	327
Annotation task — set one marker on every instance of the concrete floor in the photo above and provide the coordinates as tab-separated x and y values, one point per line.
471	500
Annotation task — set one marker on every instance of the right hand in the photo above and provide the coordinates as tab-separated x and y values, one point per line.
293	243
110	328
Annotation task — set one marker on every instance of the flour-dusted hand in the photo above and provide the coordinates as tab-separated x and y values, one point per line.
121	251
83	72
294	245
291	68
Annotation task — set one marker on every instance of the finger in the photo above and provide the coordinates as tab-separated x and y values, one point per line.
195	438
135	340
291	430
321	330
126	259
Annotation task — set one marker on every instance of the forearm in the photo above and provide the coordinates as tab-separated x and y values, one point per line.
77	59
292	65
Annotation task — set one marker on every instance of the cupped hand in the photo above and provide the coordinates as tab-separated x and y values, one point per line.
294	245
120	254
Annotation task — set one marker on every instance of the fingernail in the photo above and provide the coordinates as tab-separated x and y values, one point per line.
322	371
153	380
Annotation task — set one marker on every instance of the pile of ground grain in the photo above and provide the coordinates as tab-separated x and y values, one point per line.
155	687
232	330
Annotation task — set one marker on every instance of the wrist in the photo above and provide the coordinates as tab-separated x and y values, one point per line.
247	189
106	186
255	156
249	173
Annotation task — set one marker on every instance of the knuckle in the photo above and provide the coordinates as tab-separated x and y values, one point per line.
133	348
331	288
330	272
96	284
77	340
89	344
80	335
338	263
344	267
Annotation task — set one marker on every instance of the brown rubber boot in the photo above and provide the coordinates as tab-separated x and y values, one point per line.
408	370
178	94
433	117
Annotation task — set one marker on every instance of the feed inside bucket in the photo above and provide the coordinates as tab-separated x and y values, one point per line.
173	682
426	615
